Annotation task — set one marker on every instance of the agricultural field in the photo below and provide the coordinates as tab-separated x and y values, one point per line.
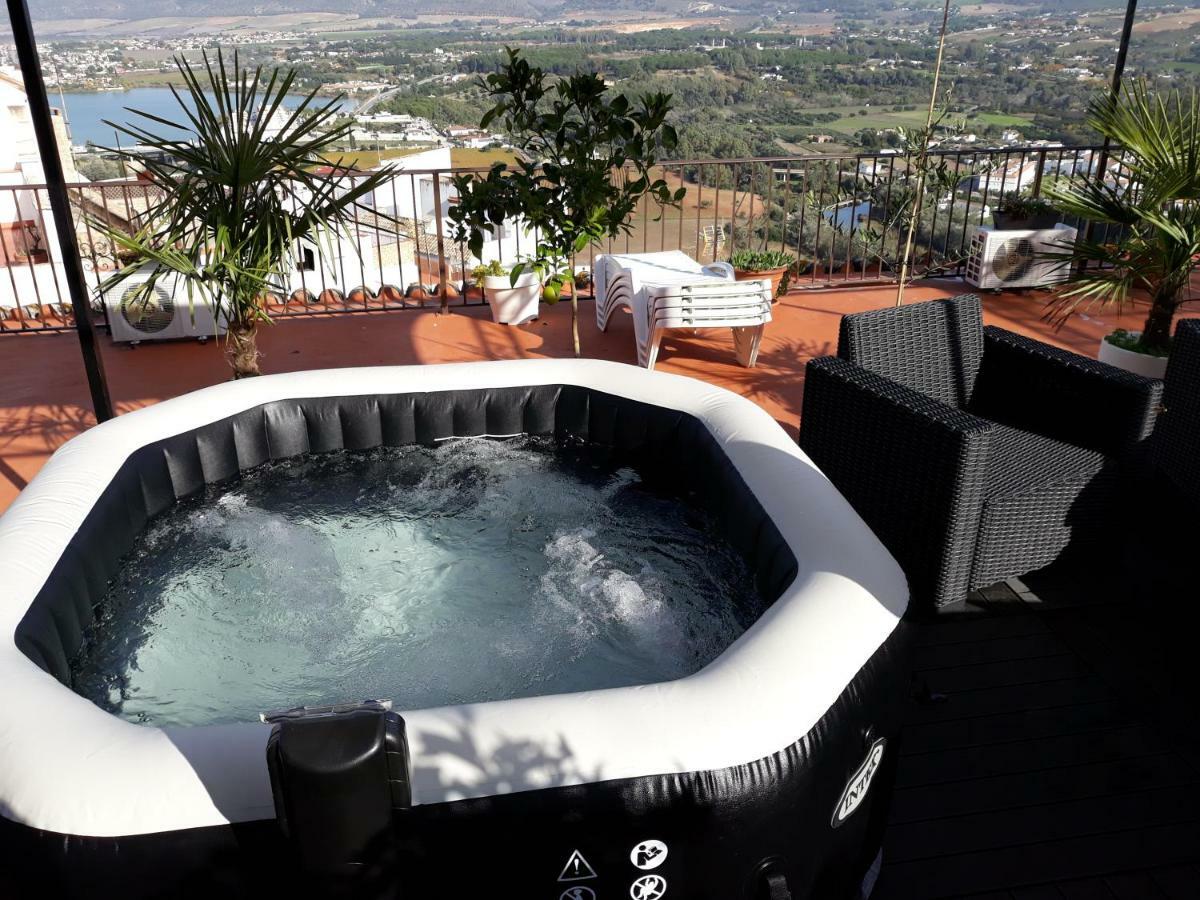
878	119
885	119
701	209
1174	21
460	157
467	156
1068	51
1000	120
989	9
150	79
370	159
809	148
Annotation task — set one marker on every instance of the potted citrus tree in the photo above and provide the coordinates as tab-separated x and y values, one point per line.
587	160
513	302
749	265
234	200
1153	212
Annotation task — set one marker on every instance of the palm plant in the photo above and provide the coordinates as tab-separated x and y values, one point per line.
1156	214
234	200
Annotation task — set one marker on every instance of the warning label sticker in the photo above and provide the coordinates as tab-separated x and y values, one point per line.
648	887
577	868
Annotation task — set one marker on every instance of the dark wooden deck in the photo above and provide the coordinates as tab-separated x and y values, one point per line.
1054	754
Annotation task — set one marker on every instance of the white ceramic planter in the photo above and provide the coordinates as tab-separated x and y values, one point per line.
513	305
1137	363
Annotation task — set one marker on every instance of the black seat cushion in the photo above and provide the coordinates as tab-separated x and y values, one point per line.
1020	460
1041	496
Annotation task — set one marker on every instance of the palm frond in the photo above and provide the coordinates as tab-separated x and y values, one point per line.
1151	200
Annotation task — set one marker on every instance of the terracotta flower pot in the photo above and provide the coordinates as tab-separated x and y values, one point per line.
775	275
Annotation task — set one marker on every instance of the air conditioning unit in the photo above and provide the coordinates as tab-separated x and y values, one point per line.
1010	259
165	313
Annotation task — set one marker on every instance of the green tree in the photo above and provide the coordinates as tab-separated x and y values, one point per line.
96	168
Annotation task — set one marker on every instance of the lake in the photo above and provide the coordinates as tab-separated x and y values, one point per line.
848	214
87	112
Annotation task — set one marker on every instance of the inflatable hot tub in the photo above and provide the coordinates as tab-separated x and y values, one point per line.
765	774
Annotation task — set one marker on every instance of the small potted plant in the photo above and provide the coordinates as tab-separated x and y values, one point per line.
34	251
754	264
513	297
1017	211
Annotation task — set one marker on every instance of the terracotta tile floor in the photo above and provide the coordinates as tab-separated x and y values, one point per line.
45	398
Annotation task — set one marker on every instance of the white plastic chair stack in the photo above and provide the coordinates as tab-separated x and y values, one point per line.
672	290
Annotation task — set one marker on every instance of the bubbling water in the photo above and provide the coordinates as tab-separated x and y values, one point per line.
475	570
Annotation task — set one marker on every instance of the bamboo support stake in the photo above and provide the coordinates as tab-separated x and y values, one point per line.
922	159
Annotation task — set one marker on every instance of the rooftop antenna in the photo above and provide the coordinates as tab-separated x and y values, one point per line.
120	155
62	103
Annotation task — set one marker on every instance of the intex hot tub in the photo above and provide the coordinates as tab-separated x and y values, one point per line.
765	774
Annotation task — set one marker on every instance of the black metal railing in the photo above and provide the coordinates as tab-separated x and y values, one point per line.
840	215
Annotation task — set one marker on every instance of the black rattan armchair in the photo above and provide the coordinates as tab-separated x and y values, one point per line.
974	453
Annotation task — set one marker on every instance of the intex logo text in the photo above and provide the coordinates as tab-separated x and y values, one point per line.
859	784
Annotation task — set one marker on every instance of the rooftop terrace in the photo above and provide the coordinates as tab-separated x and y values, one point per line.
1044	756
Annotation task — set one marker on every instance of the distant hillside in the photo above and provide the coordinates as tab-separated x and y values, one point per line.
59	10
145	9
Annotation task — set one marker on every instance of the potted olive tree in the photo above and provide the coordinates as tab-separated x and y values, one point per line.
749	265
234	200
587	161
1152	244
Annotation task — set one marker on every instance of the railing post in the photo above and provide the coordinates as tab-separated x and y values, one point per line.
60	206
441	248
1037	177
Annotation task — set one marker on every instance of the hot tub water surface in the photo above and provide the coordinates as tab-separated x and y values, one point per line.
476	570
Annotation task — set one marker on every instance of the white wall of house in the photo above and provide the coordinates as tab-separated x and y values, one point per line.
25	215
348	261
1016	176
410	195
